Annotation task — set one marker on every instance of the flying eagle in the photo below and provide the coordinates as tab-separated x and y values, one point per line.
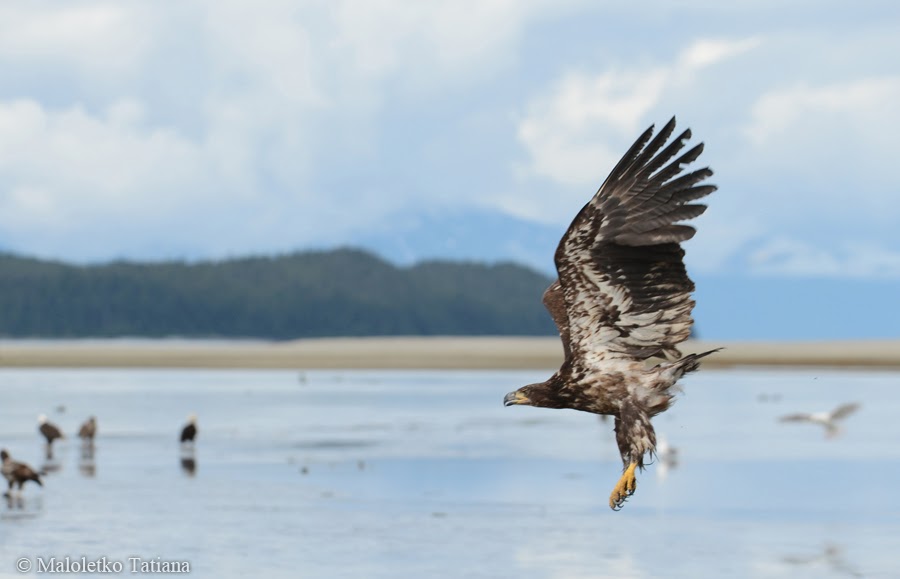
826	419
623	296
17	473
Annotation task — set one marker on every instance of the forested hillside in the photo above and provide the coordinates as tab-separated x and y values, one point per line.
327	293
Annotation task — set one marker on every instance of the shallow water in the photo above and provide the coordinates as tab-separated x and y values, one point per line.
387	474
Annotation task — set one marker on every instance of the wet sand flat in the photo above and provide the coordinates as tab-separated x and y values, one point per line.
424	473
407	353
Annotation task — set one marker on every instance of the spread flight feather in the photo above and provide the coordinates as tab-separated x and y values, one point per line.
623	296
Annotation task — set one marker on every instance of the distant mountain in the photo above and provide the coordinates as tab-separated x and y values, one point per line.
326	293
465	235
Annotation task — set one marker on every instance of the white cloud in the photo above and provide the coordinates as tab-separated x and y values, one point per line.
414	41
861	105
709	51
66	170
222	109
792	257
223	127
579	128
563	131
100	37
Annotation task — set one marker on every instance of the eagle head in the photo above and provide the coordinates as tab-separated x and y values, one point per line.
544	394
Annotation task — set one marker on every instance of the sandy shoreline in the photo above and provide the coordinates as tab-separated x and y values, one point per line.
408	353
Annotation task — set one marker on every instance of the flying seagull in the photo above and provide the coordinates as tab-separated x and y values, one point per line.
623	296
190	429
17	473
826	419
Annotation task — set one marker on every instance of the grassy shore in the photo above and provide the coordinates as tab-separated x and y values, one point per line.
409	352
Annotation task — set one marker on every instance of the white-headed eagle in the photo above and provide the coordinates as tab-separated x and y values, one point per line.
623	296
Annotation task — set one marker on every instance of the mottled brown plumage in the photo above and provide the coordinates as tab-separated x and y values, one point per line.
623	296
17	473
48	430
88	430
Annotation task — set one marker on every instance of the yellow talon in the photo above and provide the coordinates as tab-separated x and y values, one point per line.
624	488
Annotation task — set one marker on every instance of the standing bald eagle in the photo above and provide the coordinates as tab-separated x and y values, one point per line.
623	296
189	432
49	431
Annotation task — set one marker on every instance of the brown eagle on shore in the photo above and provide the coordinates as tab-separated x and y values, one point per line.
16	473
623	296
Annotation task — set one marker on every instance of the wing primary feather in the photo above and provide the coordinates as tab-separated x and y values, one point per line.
666	234
622	278
645	159
694	193
629	157
663	157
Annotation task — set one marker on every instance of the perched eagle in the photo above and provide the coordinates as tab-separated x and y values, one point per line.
88	429
189	432
49	431
827	419
17	472
623	296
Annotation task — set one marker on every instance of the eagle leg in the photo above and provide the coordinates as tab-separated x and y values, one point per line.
624	488
635	437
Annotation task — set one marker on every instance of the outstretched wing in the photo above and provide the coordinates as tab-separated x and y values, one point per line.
800	417
555	302
620	266
844	410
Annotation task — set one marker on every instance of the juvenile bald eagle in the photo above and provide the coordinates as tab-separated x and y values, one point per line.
88	429
17	472
623	296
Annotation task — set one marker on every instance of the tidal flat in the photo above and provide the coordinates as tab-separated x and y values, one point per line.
388	473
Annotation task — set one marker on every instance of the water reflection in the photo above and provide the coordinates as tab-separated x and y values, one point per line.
20	508
51	465
189	461
14	501
831	556
87	466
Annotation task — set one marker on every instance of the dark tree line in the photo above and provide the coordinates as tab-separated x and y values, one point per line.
328	293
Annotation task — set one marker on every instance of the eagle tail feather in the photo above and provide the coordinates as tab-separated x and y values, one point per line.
690	363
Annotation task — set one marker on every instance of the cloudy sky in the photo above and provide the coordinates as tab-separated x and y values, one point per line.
163	129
